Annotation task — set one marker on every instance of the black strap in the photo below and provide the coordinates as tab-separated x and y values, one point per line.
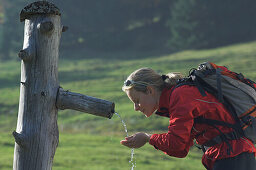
218	79
202	120
221	138
198	85
182	82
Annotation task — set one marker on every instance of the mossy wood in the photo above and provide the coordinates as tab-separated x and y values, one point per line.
36	135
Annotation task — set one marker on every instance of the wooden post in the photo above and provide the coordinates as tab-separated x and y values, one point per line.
37	135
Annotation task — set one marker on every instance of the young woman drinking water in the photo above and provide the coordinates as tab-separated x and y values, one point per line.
153	93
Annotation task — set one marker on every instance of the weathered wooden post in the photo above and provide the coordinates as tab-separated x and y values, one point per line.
37	135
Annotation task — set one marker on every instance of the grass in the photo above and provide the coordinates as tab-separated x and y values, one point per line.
78	151
84	139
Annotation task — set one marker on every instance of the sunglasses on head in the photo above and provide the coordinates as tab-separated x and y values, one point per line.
131	82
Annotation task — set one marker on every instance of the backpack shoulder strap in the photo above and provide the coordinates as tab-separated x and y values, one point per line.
189	81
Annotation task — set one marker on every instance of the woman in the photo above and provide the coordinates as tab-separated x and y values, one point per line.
153	93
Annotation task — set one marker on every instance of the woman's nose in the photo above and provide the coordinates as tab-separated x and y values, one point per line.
136	107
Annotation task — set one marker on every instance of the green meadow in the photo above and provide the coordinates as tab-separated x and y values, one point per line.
90	142
78	151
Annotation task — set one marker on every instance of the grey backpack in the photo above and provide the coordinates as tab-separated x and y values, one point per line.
237	93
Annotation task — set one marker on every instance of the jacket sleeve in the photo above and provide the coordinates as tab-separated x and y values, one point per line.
182	109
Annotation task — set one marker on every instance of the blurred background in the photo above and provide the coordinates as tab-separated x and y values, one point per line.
105	42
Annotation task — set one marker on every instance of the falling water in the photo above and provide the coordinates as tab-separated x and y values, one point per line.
132	150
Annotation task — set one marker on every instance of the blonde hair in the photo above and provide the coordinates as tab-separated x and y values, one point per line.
147	76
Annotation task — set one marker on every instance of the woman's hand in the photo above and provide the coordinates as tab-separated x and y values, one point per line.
137	140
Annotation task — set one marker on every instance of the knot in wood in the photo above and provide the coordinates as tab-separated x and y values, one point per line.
43	94
23	54
37	8
45	26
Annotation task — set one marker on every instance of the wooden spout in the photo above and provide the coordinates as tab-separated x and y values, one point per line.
83	103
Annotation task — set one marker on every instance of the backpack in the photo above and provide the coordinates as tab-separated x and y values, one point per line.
237	93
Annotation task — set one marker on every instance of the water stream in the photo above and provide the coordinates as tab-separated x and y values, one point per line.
132	161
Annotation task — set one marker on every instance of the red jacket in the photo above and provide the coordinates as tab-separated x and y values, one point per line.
183	105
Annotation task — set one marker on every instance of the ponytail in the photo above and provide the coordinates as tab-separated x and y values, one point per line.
172	78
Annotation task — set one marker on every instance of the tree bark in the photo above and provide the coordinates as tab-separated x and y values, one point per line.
37	133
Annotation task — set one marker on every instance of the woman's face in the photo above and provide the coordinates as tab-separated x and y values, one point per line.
146	103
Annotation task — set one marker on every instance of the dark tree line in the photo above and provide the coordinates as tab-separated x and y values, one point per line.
116	25
211	23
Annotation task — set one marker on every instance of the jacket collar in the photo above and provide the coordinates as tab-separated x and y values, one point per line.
164	101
